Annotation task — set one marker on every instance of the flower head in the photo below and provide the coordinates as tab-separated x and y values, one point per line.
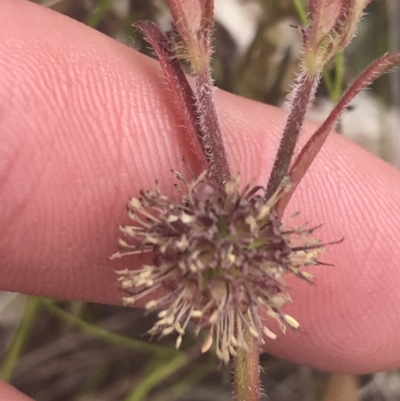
333	24
222	254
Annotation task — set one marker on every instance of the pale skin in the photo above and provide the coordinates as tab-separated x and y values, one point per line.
85	123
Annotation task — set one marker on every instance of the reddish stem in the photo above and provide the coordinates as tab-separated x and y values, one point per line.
314	144
302	98
182	94
212	140
247	372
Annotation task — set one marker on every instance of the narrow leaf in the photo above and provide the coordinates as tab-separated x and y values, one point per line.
182	94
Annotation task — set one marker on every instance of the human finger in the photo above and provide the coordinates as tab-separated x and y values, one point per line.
86	123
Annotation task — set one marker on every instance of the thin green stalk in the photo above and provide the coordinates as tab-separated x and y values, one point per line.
77	308
301	11
111	338
334	87
247	372
98	13
32	307
155	375
328	83
50	3
187	383
339	76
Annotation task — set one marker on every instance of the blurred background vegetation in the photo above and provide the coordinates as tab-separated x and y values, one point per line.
72	351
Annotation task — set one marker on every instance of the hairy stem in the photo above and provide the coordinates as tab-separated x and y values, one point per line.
247	372
182	95
301	98
212	141
311	149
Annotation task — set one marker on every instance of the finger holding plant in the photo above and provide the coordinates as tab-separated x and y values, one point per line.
219	246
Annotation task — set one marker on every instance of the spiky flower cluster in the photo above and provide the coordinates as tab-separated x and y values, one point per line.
222	254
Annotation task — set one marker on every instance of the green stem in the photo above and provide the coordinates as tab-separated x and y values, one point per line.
111	338
19	340
301	11
334	87
187	383
99	12
339	74
247	372
328	83
155	375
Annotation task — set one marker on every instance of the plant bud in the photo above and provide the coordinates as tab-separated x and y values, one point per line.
333	24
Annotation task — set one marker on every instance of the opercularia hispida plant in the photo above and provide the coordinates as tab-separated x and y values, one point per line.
219	245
